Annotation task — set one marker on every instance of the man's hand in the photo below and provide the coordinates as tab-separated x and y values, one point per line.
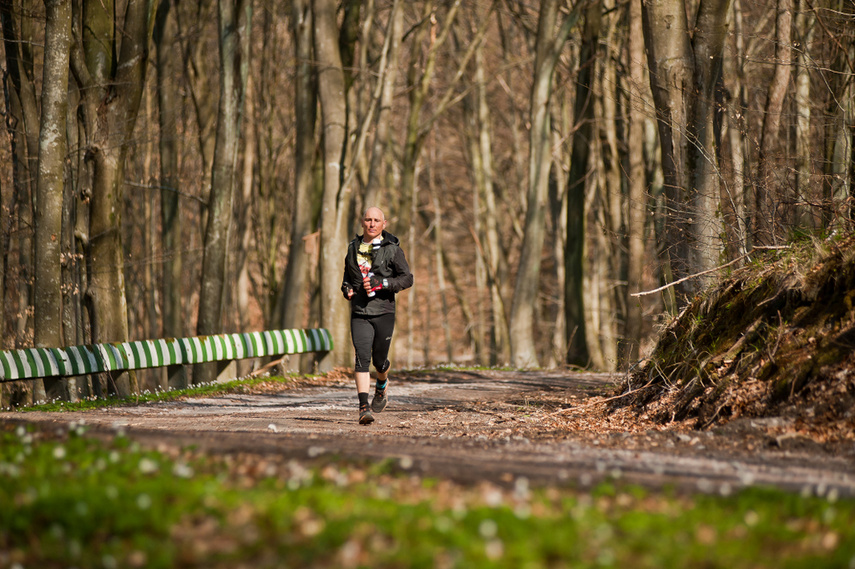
372	283
349	292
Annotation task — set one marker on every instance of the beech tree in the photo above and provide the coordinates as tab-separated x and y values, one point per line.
49	195
335	203
289	306
552	32
577	349
685	65
108	62
233	20
22	122
167	67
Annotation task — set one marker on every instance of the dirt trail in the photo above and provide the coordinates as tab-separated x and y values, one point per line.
506	427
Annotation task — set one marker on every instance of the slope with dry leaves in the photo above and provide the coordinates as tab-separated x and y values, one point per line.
774	339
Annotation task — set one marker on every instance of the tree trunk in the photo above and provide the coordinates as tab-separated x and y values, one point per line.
419	86
497	261
703	158
245	223
735	206
549	43
803	217
485	221
768	217
23	121
172	243
637	194
670	61
837	130
684	71
558	215
377	170
234	23
50	187
441	288
577	182
110	99
292	300
610	261
336	198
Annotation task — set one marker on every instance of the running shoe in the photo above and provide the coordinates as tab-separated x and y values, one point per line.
378	403
365	416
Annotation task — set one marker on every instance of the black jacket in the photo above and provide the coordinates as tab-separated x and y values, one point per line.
388	263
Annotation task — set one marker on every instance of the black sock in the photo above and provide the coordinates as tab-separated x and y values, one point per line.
382	386
363	399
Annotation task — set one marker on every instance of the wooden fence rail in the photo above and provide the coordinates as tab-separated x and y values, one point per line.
30	363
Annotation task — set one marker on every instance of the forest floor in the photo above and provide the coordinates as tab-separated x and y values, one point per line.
556	427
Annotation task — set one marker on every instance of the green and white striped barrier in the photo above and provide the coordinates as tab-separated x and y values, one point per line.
30	363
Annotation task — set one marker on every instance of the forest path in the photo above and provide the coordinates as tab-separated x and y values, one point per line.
507	427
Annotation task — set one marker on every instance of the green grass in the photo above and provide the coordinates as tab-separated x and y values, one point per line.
71	500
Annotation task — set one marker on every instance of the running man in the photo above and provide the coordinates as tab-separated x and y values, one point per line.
375	269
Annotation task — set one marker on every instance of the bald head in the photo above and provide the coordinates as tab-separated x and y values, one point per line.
373	223
374	212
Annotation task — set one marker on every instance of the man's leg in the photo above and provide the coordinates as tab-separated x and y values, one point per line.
384	327
362	334
363	381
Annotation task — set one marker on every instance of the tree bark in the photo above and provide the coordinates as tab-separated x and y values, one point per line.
109	64
577	182
377	169
804	194
768	220
293	293
637	195
234	23
22	122
50	187
172	243
551	35
336	198
684	71
669	55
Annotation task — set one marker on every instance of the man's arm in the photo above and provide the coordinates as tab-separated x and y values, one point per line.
403	278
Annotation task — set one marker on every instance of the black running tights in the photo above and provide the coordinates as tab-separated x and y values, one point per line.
372	337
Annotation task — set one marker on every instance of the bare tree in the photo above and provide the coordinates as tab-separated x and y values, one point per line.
167	67
492	263
378	164
552	32
768	216
577	182
22	120
735	201
108	61
835	18
290	303
637	194
684	71
50	187
335	204
234	21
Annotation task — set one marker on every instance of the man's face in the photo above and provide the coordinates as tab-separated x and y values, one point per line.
373	223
